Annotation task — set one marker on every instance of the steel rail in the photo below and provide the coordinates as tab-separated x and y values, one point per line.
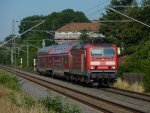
87	99
132	94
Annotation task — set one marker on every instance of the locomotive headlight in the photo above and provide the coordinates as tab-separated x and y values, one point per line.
92	67
113	67
119	51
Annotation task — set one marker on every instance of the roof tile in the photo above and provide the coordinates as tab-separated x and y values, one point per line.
79	27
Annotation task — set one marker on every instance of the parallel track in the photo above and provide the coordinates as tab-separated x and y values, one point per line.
135	95
87	99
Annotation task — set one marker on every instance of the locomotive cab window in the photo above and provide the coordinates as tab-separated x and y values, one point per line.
102	52
96	52
109	52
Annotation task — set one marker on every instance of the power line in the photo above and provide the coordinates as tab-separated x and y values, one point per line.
23	32
100	10
97	11
33	21
114	21
95	6
128	6
47	31
33	27
128	17
122	6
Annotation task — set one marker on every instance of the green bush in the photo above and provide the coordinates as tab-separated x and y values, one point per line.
146	82
139	61
146	69
59	105
29	101
9	80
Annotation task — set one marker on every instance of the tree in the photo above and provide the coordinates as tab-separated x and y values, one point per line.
84	36
53	21
114	29
145	3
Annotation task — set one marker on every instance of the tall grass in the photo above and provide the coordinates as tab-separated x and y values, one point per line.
13	101
132	87
9	80
8	106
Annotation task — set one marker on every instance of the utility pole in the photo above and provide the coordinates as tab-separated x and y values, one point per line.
13	44
27	55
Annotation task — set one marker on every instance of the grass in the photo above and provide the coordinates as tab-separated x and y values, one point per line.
9	80
132	87
12	100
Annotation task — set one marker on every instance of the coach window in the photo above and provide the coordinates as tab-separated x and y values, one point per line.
66	59
51	61
63	60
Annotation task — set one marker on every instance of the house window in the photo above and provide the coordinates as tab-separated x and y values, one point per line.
67	35
74	34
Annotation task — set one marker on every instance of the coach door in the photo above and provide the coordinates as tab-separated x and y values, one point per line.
70	63
63	60
82	63
53	60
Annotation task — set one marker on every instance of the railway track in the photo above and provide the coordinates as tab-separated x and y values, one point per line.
135	95
87	99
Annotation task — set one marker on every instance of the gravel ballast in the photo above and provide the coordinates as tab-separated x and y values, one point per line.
120	99
37	91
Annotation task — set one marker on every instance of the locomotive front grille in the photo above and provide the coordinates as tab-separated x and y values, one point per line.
103	75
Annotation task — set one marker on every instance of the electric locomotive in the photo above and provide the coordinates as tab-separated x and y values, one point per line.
80	62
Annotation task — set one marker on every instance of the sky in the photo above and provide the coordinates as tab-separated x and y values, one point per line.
19	9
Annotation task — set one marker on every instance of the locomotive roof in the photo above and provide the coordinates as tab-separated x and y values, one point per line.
66	47
86	45
57	49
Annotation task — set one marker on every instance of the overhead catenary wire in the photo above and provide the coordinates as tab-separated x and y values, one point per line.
122	6
89	13
128	17
127	6
114	21
96	6
100	10
23	32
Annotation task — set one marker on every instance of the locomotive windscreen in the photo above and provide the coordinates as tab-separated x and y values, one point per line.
102	52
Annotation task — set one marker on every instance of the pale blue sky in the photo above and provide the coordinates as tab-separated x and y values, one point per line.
18	9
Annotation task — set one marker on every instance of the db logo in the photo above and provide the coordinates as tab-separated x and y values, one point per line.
102	63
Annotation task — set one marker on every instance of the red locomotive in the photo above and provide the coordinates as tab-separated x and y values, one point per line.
79	61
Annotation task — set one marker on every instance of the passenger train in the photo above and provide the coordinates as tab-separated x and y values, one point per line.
80	62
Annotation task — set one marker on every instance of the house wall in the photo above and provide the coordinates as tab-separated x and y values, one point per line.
67	35
62	37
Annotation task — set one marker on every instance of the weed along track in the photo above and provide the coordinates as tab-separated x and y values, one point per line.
80	96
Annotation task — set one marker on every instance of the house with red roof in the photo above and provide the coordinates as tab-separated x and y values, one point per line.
72	31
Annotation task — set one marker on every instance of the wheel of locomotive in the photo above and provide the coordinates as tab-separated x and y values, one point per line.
82	79
38	72
85	81
50	73
67	77
109	84
100	83
90	84
53	75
